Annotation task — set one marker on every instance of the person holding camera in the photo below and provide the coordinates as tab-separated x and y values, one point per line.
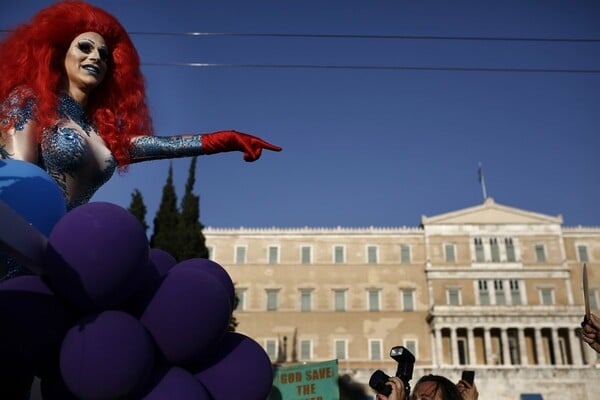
431	387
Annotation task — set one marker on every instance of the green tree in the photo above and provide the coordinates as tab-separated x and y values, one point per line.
138	208
166	222
192	241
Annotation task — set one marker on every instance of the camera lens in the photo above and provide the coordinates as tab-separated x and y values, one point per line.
378	382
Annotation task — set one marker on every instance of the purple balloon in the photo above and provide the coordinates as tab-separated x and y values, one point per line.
106	356
243	359
33	323
216	270
188	314
162	260
150	281
175	383
52	386
95	256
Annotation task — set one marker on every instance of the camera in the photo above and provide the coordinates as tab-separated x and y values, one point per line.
406	363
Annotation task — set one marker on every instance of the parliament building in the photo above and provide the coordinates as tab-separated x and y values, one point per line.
489	288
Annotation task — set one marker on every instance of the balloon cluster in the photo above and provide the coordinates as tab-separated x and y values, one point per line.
111	318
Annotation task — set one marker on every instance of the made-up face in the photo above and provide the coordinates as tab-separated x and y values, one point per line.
86	62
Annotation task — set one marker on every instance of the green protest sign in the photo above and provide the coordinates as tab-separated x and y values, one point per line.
313	381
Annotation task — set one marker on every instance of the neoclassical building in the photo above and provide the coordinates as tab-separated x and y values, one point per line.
491	288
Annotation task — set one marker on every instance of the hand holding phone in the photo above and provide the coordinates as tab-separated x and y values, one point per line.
468	376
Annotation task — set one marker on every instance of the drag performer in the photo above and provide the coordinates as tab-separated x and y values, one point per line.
72	101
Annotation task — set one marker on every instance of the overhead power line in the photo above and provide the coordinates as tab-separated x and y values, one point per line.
377	67
357	36
394	37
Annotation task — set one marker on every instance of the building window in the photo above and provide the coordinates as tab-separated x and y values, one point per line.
582	253
339	299
411	345
338	254
340	346
547	296
540	253
375	346
240	299
450	253
479	254
273	254
240	254
373	299
513	348
305	299
408	300
305	350
463	355
405	254
515	292
211	252
306	254
271	348
484	294
272	299
372	254
495	250
453	296
499	292
510	250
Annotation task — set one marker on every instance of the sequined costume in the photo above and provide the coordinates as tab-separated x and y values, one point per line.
77	158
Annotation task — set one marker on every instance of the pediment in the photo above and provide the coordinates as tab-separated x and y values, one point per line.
491	213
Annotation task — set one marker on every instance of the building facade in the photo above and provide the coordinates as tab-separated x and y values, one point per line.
491	288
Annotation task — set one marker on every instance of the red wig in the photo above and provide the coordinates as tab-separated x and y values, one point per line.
32	58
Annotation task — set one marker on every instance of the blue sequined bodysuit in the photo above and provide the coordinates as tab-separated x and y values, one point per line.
75	155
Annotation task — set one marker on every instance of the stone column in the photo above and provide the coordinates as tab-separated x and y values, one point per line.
433	350
556	347
505	346
522	346
471	345
539	347
575	346
439	347
454	345
487	339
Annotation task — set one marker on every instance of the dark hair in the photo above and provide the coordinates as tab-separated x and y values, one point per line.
443	385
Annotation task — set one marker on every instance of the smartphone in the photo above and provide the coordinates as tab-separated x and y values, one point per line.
468	376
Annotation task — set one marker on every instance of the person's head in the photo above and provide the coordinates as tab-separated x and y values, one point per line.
435	387
86	63
36	56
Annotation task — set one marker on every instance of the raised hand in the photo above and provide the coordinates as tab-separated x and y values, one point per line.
591	332
224	141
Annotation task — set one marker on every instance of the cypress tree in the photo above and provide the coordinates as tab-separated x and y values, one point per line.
193	242
138	208
166	222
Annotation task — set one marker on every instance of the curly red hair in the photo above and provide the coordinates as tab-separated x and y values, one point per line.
32	59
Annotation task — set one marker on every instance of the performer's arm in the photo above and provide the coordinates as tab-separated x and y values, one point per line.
145	148
20	142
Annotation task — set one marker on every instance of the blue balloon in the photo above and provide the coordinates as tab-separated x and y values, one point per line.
32	193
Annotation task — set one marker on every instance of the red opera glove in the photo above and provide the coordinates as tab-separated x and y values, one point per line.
223	141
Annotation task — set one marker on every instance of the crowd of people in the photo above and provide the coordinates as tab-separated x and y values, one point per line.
437	387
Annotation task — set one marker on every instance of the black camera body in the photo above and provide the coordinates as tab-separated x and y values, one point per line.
406	363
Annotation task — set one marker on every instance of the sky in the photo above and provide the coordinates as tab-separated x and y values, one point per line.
369	146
